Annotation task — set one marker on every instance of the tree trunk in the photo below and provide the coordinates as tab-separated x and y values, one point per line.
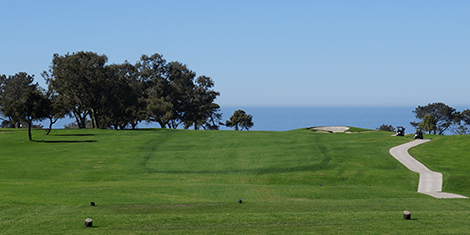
162	124
51	119
196	127
81	121
82	124
134	125
29	129
94	124
77	120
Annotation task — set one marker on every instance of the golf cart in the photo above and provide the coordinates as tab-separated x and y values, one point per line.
419	133
400	131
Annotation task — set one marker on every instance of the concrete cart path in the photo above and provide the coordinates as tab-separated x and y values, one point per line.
430	182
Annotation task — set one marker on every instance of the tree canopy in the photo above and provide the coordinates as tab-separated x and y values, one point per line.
12	88
21	101
122	95
81	85
429	123
385	127
240	120
442	115
33	106
79	81
176	96
465	116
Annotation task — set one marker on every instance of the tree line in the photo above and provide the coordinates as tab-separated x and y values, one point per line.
436	118
119	96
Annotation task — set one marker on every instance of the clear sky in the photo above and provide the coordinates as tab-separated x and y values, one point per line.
263	53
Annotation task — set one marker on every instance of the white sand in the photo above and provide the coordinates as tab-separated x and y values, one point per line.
333	129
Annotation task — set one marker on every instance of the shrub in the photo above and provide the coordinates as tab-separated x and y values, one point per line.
385	127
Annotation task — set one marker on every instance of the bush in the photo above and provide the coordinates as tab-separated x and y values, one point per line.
385	127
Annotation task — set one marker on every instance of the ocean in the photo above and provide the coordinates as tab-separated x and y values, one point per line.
290	118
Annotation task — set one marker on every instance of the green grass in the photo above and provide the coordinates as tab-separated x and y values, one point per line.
183	181
356	129
449	155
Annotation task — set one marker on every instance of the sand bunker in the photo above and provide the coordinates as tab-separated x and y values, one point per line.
330	129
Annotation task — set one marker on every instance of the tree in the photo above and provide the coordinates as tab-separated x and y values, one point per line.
122	95
213	117
12	89
137	110
78	79
182	94
385	127
175	96
121	106
157	89
33	106
443	115
247	122
428	124
55	111
22	101
202	111
465	116
240	119
460	130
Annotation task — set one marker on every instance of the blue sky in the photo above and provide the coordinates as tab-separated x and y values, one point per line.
263	53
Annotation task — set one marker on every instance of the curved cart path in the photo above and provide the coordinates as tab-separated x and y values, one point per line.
430	182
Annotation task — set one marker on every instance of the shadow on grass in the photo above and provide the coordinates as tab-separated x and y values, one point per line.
75	135
149	129
324	165
65	141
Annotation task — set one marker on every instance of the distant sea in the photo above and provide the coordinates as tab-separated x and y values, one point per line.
290	118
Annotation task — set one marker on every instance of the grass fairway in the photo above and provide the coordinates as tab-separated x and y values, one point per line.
182	181
449	155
